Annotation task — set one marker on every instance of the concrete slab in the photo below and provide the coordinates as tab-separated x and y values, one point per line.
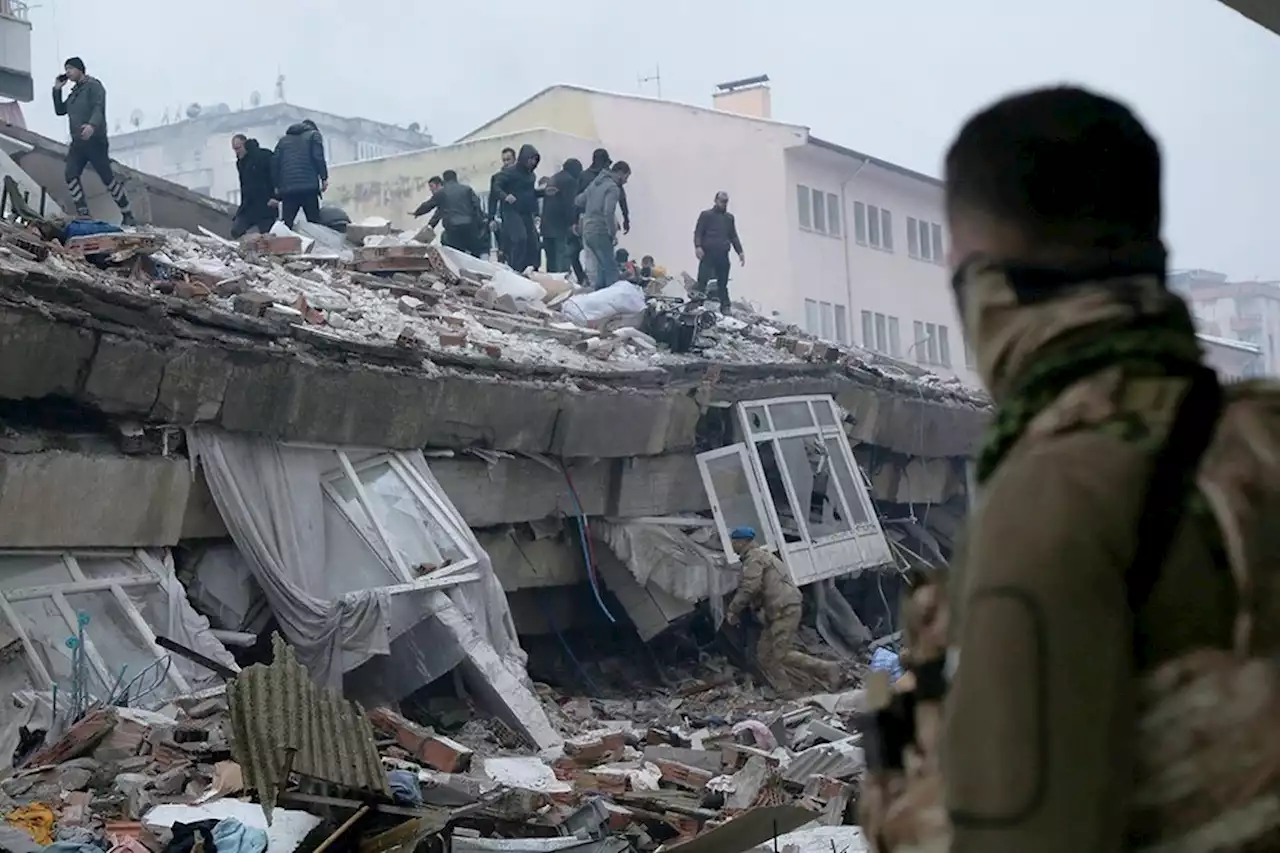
169	361
76	500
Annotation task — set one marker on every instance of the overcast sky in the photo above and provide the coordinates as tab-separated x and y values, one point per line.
891	79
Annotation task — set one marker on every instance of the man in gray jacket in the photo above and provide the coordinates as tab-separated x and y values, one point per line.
86	111
599	204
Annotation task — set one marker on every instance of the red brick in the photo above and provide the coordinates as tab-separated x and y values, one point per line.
684	775
444	754
191	290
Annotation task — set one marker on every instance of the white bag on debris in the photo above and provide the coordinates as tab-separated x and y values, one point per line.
507	283
621	297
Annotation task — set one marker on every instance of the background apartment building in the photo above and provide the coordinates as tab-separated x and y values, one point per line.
15	53
194	149
1241	312
845	245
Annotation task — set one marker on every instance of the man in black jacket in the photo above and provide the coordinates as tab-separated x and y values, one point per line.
517	192
495	223
559	214
715	233
299	172
458	207
600	162
86	111
258	202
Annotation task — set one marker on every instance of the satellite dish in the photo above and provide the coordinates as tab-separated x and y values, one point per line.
193	111
414	127
135	118
255	99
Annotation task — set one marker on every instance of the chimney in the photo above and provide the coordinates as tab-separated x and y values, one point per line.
749	97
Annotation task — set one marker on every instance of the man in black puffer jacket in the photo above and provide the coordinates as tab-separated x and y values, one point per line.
300	172
258	202
518	193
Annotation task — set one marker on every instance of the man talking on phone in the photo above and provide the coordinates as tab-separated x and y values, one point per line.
86	110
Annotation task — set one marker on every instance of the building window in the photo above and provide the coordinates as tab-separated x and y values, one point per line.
932	344
811	316
842	325
369	150
828	320
802	205
872	226
924	240
833	215
882	333
819	213
868	331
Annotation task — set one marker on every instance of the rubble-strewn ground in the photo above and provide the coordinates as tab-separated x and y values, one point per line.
641	771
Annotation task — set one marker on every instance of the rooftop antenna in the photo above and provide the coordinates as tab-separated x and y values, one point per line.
655	77
279	87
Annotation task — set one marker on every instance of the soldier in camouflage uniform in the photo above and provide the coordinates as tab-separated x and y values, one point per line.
767	586
1091	561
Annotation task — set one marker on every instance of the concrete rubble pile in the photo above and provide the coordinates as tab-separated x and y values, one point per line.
432	304
275	763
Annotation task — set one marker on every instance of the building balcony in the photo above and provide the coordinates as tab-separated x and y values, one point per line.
15	51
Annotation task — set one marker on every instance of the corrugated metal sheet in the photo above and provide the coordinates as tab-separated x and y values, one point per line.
278	708
839	760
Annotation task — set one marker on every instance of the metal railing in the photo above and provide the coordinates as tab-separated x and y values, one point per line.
15	9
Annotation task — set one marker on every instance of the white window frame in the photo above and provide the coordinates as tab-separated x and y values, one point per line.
868	330
842	324
895	337
151	573
861	537
819	204
812	318
835	218
860	223
913	238
804	210
437	504
874	238
757	497
826	321
886	229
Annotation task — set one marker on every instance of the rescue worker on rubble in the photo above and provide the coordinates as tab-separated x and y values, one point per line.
508	160
767	588
86	111
1054	206
516	195
458	207
258	203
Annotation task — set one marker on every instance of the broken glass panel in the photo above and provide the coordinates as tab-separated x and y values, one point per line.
105	567
827	516
756	419
790	416
822	408
347	497
791	522
25	571
124	651
418	537
48	631
731	488
849	484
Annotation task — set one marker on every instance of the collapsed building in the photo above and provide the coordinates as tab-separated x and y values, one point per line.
356	446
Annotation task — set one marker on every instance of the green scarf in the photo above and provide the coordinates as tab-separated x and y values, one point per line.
1160	346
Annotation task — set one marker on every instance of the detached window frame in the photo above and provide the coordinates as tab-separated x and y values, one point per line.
151	573
859	547
433	502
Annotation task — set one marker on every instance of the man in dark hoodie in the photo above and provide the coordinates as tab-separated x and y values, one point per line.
299	172
495	224
258	202
86	112
518	193
458	207
559	214
600	162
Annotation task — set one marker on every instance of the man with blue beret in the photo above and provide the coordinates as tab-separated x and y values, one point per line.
766	586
